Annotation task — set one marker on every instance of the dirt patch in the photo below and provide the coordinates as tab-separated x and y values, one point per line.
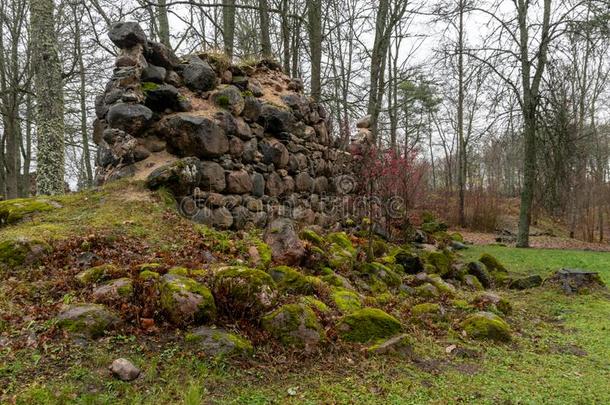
154	161
541	242
569	349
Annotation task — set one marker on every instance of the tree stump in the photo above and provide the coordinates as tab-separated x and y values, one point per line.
576	281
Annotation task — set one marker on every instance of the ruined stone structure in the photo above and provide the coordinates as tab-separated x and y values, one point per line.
235	144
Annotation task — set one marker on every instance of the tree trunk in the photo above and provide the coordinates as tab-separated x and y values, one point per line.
228	26
86	157
460	118
285	37
315	44
263	10
163	23
50	99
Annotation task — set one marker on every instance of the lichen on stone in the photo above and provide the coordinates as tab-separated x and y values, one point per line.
294	325
292	281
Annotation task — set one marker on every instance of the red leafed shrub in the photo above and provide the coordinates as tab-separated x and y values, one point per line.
392	182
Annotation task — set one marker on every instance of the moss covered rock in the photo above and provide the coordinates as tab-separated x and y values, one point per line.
367	324
346	301
427	309
472	282
440	260
292	281
525	283
113	291
22	251
336	280
218	342
442	286
479	270
149	275
294	325
383	273
342	240
12	211
427	290
315	304
96	274
492	303
186	301
311	236
486	325
492	263
411	263
87	320
242	291
340	258
398	346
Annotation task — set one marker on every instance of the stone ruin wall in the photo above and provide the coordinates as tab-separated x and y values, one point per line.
236	144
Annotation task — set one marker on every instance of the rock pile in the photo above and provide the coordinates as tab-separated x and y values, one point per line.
238	141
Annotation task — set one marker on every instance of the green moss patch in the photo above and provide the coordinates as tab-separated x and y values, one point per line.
294	325
12	211
492	263
294	282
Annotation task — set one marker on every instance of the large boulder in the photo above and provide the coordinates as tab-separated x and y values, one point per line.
87	320
479	270
131	118
365	325
294	325
190	135
242	291
126	34
199	75
230	98
216	342
282	238
486	325
181	177
161	55
239	182
275	152
186	301
276	120
212	177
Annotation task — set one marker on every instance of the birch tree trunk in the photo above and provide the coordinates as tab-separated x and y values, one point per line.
49	98
163	23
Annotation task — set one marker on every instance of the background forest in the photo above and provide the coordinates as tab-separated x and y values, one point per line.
494	101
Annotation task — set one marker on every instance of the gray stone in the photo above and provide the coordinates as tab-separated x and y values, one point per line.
524	283
252	109
576	281
152	73
304	182
216	342
127	34
275	152
282	238
397	346
229	97
364	122
124	370
239	182
189	135
212	177
161	55
198	75
276	120
274	186
87	320
258	185
131	118
181	176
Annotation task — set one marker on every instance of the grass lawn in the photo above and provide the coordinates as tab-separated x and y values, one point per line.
560	355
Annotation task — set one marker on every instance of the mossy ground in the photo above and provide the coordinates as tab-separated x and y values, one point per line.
560	352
